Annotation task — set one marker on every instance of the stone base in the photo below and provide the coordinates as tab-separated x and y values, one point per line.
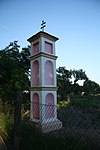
49	126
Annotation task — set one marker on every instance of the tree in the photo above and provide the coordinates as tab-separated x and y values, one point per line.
63	82
14	71
67	81
78	75
91	87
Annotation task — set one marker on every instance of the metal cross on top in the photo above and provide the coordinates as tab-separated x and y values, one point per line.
43	25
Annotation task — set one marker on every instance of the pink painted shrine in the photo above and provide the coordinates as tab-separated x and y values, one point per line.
43	90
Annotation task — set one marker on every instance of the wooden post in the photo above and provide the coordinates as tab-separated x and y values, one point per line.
17	120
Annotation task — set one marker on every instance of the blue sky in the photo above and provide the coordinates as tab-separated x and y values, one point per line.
75	22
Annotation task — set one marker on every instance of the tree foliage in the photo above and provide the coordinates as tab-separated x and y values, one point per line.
79	75
91	87
14	71
63	82
68	83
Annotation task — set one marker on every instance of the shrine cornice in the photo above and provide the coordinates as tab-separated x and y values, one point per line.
42	54
36	88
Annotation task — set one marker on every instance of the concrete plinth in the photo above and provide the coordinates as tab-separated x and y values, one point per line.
49	126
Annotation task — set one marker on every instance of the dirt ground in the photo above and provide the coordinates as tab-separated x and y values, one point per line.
2	144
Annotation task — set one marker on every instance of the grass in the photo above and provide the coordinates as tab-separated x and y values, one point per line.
89	103
63	103
6	119
33	139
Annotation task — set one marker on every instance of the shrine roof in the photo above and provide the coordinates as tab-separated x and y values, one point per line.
42	34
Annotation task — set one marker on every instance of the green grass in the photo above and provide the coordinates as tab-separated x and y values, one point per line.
6	120
33	139
63	103
90	102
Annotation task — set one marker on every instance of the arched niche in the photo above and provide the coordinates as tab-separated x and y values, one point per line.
49	106
35	106
35	72
49	73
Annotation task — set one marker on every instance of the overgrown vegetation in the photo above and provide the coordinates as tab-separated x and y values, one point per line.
31	138
14	71
89	103
68	83
86	102
6	119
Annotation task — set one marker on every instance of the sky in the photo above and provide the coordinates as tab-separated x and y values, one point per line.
75	22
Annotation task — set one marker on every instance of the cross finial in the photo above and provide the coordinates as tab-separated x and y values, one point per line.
43	25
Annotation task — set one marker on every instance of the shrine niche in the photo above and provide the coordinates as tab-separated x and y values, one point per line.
49	73
48	47
35	73
49	109
35	48
35	106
